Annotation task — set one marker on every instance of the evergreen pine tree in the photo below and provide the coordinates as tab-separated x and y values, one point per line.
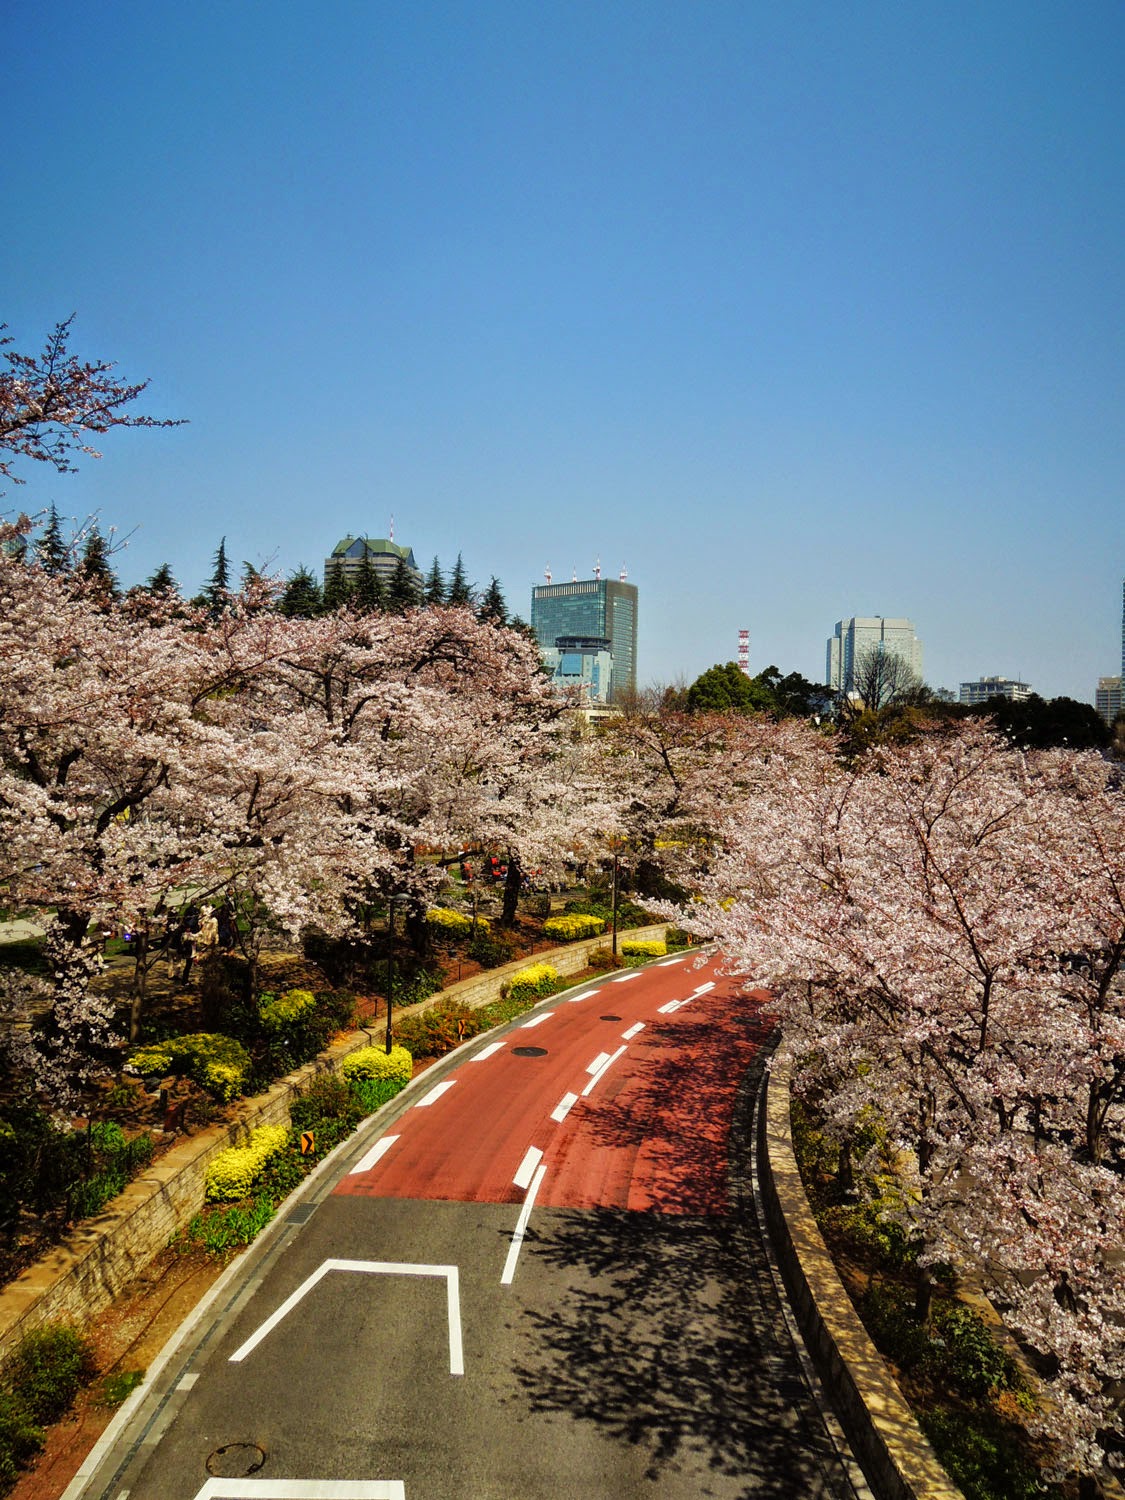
337	590
492	607
368	596
460	590
403	592
94	565
162	581
51	552
217	588
301	598
435	584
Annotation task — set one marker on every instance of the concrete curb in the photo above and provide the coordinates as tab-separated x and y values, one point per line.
881	1428
83	1273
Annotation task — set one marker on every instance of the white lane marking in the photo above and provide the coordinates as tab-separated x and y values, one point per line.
627	1036
664	962
371	1268
622	978
301	1489
703	988
532	1157
435	1094
186	1382
586	994
564	1107
509	1272
489	1051
537	1020
609	1062
672	1006
598	1062
378	1150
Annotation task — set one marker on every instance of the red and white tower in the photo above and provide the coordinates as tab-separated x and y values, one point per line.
744	651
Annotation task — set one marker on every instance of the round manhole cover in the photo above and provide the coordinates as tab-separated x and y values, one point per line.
236	1460
530	1051
611	1018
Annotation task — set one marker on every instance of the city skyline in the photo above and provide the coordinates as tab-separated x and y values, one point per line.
791	312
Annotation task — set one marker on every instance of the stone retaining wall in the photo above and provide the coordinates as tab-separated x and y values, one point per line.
98	1259
881	1428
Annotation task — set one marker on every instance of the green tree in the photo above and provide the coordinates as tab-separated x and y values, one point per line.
727	689
492	608
435	584
403	591
217	588
94	564
301	597
1040	724
460	591
794	696
51	551
369	596
337	590
162	581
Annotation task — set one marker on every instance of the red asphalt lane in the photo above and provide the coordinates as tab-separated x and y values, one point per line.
652	1134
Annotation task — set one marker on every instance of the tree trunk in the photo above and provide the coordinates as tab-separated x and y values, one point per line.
511	892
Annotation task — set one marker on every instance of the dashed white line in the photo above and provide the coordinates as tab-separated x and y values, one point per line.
627	1036
609	1062
300	1489
670	1008
703	988
532	1157
509	1271
623	978
564	1107
664	962
537	1020
186	1382
489	1051
598	1062
378	1150
435	1094
586	994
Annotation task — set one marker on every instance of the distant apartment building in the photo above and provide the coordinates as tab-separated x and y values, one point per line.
853	637
584	626
1109	700
985	689
382	555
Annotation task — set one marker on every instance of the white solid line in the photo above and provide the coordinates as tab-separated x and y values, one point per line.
703	988
378	1150
489	1051
563	1107
301	1489
667	1010
598	1062
370	1268
627	1036
532	1157
609	1062
509	1272
435	1094
537	1020
621	978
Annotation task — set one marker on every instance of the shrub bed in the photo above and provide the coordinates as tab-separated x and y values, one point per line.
38	1385
537	980
438	1029
639	950
573	927
378	1065
217	1063
233	1172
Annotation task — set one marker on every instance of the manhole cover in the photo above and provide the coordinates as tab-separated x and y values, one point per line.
236	1460
611	1018
530	1051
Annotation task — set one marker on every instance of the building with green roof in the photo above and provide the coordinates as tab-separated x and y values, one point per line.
383	556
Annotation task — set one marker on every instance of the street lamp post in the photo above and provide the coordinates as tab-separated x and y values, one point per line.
390	962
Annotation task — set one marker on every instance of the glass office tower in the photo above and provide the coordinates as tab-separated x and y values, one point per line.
601	608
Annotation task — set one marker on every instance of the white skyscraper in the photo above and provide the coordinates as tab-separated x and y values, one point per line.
853	637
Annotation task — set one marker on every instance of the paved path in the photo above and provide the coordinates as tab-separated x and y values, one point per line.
538	1277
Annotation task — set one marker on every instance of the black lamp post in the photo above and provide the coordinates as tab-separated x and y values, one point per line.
390	962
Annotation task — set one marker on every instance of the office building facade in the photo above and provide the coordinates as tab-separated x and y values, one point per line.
985	689
1109	700
595	611
853	637
382	555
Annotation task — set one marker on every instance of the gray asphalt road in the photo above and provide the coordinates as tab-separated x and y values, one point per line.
370	1350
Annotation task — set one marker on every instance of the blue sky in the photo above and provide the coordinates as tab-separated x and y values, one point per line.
797	311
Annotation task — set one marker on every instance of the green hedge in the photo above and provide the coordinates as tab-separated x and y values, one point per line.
218	1063
38	1385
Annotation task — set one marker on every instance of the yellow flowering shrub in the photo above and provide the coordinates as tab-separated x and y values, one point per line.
232	1173
377	1063
218	1063
571	928
278	1012
638	948
536	979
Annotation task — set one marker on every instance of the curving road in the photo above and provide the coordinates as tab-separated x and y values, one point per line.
538	1276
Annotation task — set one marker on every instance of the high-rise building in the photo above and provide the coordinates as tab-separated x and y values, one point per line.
985	689
852	638
1109	700
383	556
599	611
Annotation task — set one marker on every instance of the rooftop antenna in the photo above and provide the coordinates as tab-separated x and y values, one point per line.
547	572
392	525
574	575
624	573
598	571
744	652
